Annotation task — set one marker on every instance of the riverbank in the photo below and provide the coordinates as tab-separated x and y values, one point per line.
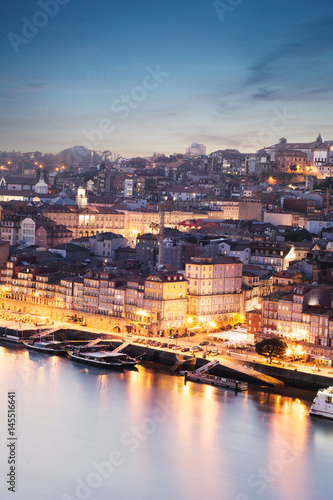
244	369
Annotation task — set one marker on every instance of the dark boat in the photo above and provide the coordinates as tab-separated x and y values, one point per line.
103	359
207	378
47	346
15	336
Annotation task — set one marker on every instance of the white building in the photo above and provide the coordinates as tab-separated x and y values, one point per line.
279	218
241	251
185	193
18	183
129	187
316	225
105	244
41	187
28	231
196	149
81	197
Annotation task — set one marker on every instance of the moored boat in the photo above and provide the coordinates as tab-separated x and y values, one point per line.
103	359
322	405
47	346
15	336
207	378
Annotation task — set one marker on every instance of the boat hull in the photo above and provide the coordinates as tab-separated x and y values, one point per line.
46	350
322	405
217	381
12	339
102	364
319	414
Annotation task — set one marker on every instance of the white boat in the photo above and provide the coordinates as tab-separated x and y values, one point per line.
322	405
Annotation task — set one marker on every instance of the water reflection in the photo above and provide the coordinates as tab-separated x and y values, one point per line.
177	441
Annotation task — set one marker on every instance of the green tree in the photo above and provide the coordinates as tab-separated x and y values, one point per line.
299	235
155	227
271	348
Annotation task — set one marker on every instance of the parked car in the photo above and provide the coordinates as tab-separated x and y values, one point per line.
204	342
185	349
195	348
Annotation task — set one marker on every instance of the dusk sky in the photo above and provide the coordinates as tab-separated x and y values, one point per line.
239	79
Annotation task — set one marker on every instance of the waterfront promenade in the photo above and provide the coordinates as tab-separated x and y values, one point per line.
243	365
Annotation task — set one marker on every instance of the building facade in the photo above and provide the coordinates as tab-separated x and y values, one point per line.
214	288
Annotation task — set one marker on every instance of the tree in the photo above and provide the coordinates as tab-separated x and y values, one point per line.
107	155
298	235
271	348
154	226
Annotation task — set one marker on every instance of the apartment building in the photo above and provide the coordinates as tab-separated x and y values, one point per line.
214	287
272	256
10	226
165	300
304	313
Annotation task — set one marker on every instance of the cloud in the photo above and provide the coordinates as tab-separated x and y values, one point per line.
308	46
264	93
13	89
35	85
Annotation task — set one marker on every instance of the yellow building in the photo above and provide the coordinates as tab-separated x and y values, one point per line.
88	221
165	301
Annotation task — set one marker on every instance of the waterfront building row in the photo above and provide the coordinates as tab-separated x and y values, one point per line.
303	313
156	302
212	291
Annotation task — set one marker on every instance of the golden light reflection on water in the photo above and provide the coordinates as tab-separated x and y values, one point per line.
209	443
284	457
199	401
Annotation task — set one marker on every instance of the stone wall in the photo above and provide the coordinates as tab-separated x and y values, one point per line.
95	321
294	378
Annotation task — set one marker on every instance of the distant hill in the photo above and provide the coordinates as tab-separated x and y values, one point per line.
77	155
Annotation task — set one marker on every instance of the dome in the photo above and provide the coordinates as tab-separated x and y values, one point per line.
41	187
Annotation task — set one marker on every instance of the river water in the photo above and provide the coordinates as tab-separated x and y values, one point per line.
85	433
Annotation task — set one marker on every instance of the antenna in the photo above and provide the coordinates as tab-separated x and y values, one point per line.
161	235
328	200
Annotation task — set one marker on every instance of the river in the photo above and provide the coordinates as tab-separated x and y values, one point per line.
84	433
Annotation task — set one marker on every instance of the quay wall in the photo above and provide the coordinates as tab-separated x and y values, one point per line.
294	378
170	359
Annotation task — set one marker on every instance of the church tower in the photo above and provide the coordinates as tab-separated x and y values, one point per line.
81	197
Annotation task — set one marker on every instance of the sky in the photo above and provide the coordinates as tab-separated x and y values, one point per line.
154	76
